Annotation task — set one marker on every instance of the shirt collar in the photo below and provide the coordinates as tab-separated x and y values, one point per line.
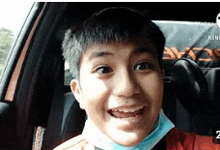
98	139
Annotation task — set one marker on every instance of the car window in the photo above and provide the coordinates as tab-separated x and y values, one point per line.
67	75
12	17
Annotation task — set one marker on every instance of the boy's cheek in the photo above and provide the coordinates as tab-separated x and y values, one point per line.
93	88
82	104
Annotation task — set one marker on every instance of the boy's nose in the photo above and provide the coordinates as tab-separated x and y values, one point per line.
126	85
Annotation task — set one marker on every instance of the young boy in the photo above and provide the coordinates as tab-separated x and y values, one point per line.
116	56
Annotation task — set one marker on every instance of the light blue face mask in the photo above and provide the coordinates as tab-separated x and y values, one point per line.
103	142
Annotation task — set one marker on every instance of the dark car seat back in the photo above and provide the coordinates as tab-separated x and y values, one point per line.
191	87
66	120
213	79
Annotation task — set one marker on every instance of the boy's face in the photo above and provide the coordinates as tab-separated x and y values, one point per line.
121	90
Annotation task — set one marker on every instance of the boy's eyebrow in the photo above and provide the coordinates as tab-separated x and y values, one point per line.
99	54
141	50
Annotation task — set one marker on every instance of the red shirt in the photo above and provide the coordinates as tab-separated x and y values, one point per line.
176	140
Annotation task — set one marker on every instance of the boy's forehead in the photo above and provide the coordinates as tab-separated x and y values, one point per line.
101	49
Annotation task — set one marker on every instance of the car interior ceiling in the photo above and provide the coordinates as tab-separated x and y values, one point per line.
50	104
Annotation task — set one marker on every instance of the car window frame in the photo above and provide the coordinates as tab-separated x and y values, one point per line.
16	48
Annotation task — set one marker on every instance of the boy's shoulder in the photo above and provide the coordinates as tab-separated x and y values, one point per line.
176	139
77	143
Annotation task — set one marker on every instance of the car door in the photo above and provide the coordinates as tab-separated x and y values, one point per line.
29	77
11	68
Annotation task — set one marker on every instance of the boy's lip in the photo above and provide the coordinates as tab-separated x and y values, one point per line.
126	108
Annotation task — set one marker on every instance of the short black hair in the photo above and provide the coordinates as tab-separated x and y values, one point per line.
119	24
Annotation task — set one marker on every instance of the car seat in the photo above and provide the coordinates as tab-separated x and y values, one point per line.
191	96
66	120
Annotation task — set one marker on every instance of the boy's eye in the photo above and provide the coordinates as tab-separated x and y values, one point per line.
143	66
103	70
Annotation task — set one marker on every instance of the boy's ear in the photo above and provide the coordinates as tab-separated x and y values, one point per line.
76	90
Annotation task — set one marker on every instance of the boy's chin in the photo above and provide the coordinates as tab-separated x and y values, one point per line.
129	139
129	142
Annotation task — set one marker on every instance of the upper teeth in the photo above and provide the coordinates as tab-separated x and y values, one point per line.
128	109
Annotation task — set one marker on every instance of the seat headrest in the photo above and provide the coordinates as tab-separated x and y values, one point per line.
73	118
190	84
213	79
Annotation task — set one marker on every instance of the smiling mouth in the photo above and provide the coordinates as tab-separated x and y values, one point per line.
126	112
